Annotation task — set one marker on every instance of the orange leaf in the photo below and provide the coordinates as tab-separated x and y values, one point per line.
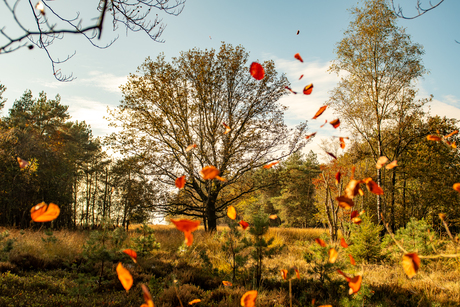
197	300
325	306
44	213
249	299
381	161
271	164
125	277
221	179
442	216
297	274
352	188
320	242
451	134
343	243
338	175
457	187
354	214
22	163
356	220
284	274
373	187
190	147
290	89
433	138
147	296
355	284
335	123
273	217
411	264
257	71
344	275
310	135
301	76
131	254
332	255
180	182
345	202
320	111
392	165
227	128
352	260
187	227
227	283
209	172
298	57
342	142
231	212
308	89
325	122
244	224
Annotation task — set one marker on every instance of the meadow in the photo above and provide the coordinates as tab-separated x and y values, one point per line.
58	268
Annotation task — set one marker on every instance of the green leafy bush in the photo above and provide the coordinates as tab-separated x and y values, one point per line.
365	241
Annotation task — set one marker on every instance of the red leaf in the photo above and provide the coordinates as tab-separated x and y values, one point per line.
257	71
352	260
342	142
308	89
187	227
298	57
131	254
338	175
298	31
354	214
355	284
301	76
343	243
244	224
320	111
310	135
320	242
335	123
284	274
180	182
373	187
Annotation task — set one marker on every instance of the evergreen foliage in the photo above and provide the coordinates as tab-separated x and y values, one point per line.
146	241
365	241
233	247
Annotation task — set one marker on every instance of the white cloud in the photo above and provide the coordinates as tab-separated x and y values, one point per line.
442	108
106	81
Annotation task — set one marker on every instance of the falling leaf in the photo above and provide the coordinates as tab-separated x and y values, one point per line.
392	165
325	122
310	135
355	284
332	255
442	216
231	212
356	220
271	164
308	89
298	57
352	260
453	145
273	217
345	202
343	274
320	242
41	7
325	306
320	111
354	214
147	296
457	187
221	179
343	243
301	76
451	134
331	154
187	227
360	192
44	213
342	142
227	283
381	161
190	147
433	138
338	175
197	300
131	254
227	128
298	31
335	123
244	224
22	163
290	89
249	299
352	188
209	172
297	274
284	274
257	71
125	277
180	182
373	187
411	264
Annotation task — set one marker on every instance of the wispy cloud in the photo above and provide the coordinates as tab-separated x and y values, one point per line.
106	81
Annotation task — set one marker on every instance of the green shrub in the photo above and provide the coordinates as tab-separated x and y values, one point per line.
365	241
146	242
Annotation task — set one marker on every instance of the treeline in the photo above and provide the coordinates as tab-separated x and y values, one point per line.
67	166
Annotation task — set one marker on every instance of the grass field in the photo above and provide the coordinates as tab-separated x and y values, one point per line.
56	270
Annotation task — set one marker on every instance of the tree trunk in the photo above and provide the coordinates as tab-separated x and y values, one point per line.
211	214
392	204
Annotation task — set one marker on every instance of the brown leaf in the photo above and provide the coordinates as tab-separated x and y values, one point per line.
373	187
338	175
451	134
290	89
411	264
331	154
354	214
342	142
227	283
147	296
310	135
352	188
297	274
356	220
457	187
345	202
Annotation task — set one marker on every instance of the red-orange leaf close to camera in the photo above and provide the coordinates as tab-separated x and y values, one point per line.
392	165
354	214
342	142
331	154
227	128
284	274
249	299
344	275
307	90
270	165
320	111
221	179
356	220
197	300
301	76
352	260
352	188
190	147
343	243
338	175
297	274
345	202
187	227
451	134
147	296
332	255
231	212
355	283
310	135
457	187
244	224
180	182
320	242
290	89
125	277
298	57
227	283
131	254
22	163
411	264
325	306
44	213
433	138
335	123
273	217
257	71
381	161
373	187
209	172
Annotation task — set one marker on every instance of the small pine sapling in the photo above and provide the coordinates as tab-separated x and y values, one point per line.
233	247
146	241
366	245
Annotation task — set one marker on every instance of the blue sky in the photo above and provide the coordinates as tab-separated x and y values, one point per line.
267	29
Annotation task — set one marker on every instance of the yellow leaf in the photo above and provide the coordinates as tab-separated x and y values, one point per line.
125	277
